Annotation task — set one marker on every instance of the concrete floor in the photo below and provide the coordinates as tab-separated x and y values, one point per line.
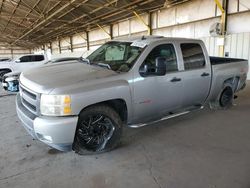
204	149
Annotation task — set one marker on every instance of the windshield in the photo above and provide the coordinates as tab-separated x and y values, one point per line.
118	56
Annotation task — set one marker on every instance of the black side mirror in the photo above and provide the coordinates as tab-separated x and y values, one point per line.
160	66
143	70
158	69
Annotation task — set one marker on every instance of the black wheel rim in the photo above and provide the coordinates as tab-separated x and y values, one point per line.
226	97
95	131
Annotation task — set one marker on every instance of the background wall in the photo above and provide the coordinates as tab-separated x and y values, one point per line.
191	20
13	53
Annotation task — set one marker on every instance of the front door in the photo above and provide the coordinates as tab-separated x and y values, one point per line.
154	95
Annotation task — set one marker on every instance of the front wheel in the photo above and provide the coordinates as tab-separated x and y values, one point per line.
99	130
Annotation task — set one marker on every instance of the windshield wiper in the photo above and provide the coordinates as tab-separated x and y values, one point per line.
104	65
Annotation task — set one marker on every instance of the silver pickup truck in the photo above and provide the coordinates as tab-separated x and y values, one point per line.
133	82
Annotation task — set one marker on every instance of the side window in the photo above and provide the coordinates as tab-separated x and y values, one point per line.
165	51
38	58
26	59
193	56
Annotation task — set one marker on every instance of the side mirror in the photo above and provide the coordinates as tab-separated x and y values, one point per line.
143	70
160	66
17	60
157	69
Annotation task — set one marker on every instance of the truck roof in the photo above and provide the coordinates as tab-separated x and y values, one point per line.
150	39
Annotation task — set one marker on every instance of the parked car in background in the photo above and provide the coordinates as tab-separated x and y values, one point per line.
134	82
22	63
10	81
4	59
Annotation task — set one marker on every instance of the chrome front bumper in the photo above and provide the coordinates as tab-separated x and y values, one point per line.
57	132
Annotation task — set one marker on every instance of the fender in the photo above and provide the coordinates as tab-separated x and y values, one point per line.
94	94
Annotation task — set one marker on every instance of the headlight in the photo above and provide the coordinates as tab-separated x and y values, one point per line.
55	105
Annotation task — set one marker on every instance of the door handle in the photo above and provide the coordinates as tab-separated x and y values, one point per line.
176	79
205	74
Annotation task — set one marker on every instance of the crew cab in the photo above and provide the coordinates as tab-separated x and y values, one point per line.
22	63
133	82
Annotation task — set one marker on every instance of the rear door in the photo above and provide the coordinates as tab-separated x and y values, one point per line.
196	74
37	60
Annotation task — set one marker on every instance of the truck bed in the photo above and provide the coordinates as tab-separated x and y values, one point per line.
227	69
224	60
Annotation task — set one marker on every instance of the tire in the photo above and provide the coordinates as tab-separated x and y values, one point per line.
225	99
99	130
2	73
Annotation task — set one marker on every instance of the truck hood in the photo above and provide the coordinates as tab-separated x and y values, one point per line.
46	78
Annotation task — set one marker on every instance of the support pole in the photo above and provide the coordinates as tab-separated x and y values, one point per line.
59	46
50	46
11	51
111	31
150	23
224	9
87	40
71	43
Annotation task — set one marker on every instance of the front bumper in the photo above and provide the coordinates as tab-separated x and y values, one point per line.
57	132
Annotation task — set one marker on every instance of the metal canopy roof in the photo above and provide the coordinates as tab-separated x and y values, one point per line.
29	23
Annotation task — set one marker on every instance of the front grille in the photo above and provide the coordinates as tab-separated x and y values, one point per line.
30	100
29	105
33	96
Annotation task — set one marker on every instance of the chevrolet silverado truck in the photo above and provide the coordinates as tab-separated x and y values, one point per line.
22	63
131	82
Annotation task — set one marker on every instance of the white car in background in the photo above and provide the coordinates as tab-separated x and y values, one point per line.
4	59
22	63
10	81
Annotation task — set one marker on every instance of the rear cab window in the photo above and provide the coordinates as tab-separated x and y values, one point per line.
193	56
38	58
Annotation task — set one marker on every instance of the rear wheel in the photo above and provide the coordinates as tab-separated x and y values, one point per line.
99	130
224	100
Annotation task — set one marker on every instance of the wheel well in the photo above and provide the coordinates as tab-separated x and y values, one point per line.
119	105
234	81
